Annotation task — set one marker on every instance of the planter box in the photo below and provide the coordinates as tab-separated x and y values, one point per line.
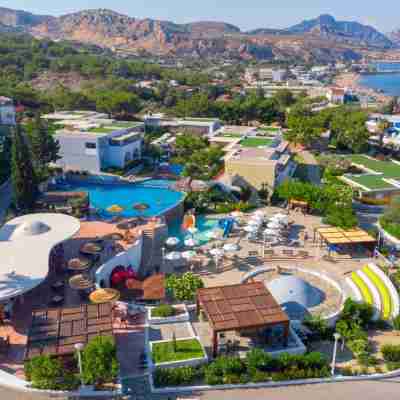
183	316
180	363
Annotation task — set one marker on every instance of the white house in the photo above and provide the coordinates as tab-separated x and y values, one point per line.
7	111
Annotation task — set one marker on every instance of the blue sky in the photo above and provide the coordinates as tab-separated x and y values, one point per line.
245	14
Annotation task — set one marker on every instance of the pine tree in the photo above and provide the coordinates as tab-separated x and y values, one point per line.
43	146
22	172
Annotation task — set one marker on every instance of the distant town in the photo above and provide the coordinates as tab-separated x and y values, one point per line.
172	225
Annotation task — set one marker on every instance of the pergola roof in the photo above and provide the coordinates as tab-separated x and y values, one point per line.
234	307
335	235
55	331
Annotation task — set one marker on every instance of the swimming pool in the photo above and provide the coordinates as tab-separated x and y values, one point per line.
203	224
155	193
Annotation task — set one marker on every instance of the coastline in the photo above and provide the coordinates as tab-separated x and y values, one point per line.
351	81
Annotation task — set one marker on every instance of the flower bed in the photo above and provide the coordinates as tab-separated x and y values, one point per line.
166	351
179	314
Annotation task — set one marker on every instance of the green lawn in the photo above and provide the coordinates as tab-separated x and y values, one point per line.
387	168
370	181
256	142
186	349
232	135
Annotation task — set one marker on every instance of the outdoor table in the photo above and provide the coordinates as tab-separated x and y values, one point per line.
113	236
80	282
57	285
78	264
104	295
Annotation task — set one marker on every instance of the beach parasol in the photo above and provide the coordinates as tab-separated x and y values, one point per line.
280	216
140	206
173	256
273	225
80	282
106	295
231	247
251	228
212	234
271	232
260	213
115	209
78	264
217	252
190	242
91	248
188	255
172	241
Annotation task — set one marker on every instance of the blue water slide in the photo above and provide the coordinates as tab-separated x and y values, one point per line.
226	224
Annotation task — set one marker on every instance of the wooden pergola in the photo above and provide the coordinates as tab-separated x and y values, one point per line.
247	306
333	236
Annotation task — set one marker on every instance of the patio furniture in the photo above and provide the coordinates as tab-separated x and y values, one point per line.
269	253
91	248
288	253
58	285
253	253
57	300
78	264
81	282
303	254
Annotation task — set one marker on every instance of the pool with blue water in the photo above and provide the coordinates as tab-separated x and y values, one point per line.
156	194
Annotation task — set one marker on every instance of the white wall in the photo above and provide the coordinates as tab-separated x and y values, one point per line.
115	155
133	257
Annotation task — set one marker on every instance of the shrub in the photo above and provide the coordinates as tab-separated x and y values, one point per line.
347	371
391	366
223	369
47	373
99	360
396	323
258	359
391	352
175	376
317	325
184	287
163	311
357	312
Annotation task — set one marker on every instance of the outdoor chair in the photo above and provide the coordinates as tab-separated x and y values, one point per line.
288	253
269	253
303	254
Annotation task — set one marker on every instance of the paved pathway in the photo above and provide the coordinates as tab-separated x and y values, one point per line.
313	170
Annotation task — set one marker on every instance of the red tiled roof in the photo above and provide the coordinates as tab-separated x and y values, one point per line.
240	306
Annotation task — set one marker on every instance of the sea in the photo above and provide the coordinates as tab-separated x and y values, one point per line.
385	82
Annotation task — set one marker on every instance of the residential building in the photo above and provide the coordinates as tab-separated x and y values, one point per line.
94	143
257	167
279	75
7	111
336	95
201	126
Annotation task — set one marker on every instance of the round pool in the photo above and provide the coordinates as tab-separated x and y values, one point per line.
156	194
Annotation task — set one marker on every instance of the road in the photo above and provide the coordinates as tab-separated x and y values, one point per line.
388	389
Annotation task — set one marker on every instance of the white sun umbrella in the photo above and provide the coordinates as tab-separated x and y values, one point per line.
192	230
254	223
251	228
190	242
188	255
217	252
173	256
273	225
260	213
257	218
270	232
172	241
280	216
212	234
236	214
231	247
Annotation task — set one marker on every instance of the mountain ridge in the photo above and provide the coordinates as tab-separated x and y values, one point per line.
322	38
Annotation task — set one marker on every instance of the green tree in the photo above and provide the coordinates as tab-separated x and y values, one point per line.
22	172
44	147
117	102
383	126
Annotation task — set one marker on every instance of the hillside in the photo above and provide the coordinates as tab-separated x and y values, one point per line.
323	39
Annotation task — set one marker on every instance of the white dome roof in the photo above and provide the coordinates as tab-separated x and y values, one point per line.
295	294
32	228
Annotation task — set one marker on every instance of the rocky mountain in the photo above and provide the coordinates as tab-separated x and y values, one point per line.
395	37
342	31
322	39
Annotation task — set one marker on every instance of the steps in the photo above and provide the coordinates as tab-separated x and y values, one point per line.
372	286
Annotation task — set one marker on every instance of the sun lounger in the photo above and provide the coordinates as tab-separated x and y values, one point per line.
303	254
288	253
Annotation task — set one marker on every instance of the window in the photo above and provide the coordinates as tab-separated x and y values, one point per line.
90	145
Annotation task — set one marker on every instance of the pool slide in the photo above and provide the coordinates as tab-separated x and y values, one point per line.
226	224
